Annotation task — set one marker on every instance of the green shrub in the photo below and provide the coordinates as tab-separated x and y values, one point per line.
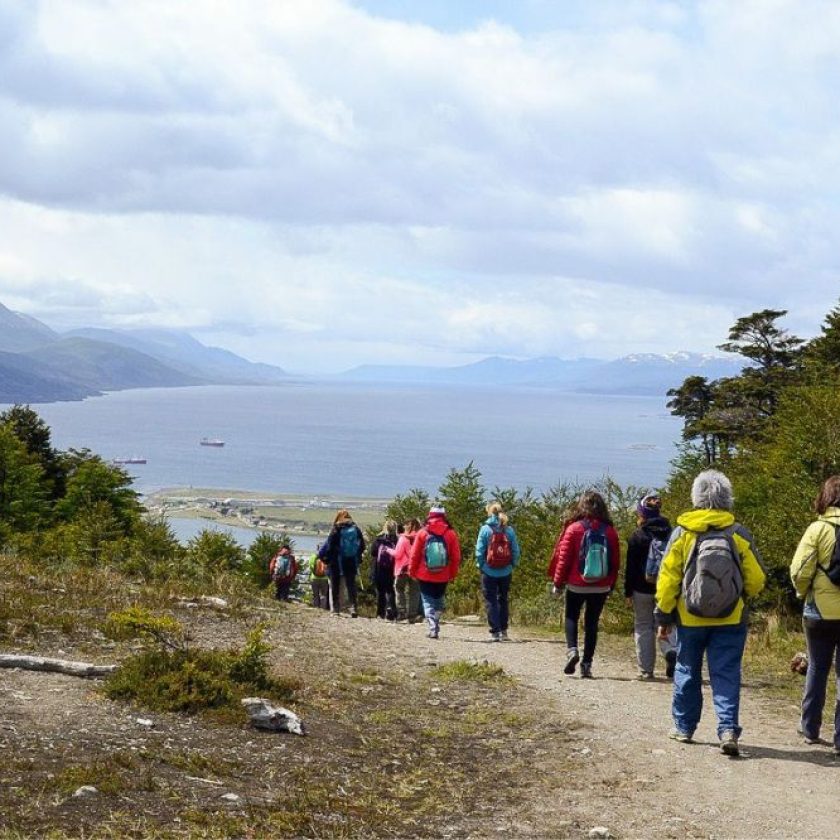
191	680
463	670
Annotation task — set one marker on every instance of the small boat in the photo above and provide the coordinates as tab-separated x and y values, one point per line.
211	442
133	460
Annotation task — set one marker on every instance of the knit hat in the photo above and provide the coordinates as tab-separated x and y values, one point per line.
437	510
649	506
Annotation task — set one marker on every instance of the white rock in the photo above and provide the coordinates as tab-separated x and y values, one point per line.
148	724
85	790
273	718
231	797
599	832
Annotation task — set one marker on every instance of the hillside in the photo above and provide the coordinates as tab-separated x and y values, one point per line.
26	380
407	736
108	367
181	352
19	333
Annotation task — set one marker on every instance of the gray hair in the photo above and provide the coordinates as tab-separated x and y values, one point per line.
712	490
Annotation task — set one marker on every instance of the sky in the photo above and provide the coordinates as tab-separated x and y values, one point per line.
329	183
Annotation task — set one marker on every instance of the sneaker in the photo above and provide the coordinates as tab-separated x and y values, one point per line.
682	737
670	664
645	676
729	743
433	634
586	671
353	614
495	637
807	738
572	659
503	636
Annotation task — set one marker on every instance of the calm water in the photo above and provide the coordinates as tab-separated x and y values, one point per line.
359	440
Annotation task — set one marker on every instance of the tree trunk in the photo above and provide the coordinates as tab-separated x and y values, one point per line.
59	666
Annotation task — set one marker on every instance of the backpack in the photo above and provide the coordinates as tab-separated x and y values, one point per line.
832	570
656	551
499	552
594	557
282	567
435	553
320	568
348	542
384	560
712	581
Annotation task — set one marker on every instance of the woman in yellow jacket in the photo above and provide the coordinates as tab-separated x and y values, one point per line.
811	573
710	567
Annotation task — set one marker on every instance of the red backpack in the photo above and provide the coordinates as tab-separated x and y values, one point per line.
499	553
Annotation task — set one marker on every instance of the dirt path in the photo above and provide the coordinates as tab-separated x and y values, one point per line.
632	779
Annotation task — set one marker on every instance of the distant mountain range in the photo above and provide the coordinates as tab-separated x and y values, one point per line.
643	374
38	364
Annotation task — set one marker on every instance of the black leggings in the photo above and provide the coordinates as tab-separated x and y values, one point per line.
594	605
334	570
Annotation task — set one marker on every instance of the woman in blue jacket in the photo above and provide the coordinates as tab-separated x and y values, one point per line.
496	555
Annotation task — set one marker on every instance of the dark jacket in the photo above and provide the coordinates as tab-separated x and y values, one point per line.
637	552
382	573
331	550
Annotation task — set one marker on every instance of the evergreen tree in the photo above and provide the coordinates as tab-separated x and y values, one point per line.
823	352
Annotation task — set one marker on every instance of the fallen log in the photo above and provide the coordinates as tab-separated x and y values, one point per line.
58	666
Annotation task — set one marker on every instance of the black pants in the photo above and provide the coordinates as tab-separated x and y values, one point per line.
594	602
823	638
346	569
386	597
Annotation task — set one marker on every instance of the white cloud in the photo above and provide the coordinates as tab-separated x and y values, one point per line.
310	170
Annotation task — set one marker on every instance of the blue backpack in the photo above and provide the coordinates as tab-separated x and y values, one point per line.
349	545
435	553
594	558
656	551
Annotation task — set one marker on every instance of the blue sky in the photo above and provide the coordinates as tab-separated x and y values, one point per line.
328	183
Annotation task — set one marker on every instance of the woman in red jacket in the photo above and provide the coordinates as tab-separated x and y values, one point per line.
435	559
586	561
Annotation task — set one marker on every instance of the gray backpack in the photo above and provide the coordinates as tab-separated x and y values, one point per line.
712	581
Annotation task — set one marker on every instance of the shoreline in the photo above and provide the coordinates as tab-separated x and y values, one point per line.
294	513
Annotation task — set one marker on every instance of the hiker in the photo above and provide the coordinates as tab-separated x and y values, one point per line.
407	588
496	555
645	550
815	572
283	570
320	581
711	567
435	559
586	561
382	570
343	553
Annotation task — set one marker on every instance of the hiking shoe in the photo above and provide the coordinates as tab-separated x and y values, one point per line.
353	614
586	671
807	738
682	737
503	636
572	659
495	637
670	664
729	743
433	634
644	676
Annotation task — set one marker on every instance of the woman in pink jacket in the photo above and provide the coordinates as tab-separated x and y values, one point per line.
586	561
408	590
435	560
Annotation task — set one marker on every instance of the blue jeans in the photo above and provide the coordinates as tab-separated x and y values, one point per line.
724	649
823	638
495	591
432	595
